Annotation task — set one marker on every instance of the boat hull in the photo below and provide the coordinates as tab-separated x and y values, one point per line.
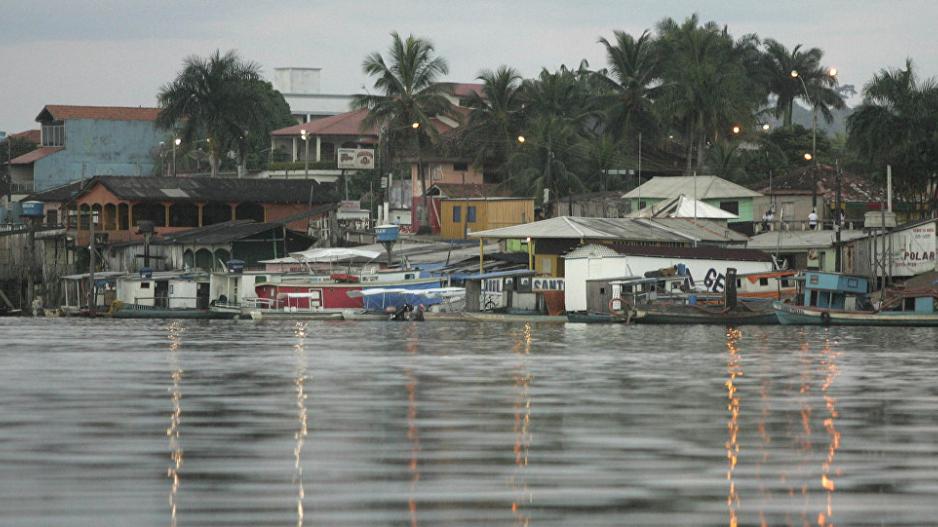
793	315
131	311
689	314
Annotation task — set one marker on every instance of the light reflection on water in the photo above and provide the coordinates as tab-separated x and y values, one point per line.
333	423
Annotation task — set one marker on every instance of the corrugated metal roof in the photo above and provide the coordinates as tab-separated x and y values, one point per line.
708	187
799	240
234	190
221	232
675	230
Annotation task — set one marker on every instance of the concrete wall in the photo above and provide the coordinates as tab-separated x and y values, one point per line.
100	148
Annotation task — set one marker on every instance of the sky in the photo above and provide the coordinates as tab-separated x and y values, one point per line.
120	52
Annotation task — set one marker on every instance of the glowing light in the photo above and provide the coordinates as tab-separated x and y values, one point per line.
832	72
415	125
736	129
734	369
178	141
521	139
808	156
175	418
299	331
766	127
794	74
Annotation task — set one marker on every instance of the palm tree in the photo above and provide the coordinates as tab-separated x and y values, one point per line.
215	97
897	124
410	94
709	82
778	64
495	118
632	80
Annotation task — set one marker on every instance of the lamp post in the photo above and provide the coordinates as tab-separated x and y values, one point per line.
305	137
176	142
795	75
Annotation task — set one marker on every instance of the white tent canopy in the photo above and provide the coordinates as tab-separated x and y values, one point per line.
683	207
330	254
443	292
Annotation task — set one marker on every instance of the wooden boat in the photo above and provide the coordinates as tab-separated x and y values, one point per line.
597	318
835	299
744	313
119	309
729	312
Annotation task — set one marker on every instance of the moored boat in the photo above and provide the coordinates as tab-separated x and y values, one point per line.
835	299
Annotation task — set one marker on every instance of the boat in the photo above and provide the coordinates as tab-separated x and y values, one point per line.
837	299
768	286
730	311
440	300
743	313
594	317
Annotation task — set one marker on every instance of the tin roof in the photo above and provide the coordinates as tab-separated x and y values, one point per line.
799	240
708	187
234	190
676	230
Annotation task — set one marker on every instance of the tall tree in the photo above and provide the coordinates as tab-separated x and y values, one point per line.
495	117
709	82
632	78
215	98
897	124
409	93
778	64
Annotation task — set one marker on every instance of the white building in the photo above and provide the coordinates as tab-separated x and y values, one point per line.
301	89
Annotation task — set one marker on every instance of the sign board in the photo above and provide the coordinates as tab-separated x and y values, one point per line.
913	250
384	182
356	158
539	285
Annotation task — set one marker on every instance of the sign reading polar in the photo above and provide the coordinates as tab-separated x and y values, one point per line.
356	158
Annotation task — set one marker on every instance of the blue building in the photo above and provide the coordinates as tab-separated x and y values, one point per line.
85	141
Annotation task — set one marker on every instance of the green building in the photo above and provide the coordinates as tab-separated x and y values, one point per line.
711	190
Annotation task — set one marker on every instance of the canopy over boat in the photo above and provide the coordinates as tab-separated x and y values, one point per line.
329	254
432	292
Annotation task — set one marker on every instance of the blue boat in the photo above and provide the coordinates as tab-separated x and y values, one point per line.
837	299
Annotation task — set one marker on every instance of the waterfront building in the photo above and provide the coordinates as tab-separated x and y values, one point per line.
802	249
118	204
79	142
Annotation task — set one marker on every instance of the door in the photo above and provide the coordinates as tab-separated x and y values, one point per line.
202	296
161	294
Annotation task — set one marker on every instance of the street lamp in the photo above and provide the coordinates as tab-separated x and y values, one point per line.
305	138
521	139
832	72
808	156
176	142
765	127
736	129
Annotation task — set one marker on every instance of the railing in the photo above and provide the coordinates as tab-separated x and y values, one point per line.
25	187
166	302
803	225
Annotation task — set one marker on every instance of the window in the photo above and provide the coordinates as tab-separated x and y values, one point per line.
730	206
763	281
144	285
53	134
460	167
641	205
457	214
471	214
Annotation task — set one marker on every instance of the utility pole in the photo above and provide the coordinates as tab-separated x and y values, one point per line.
838	224
92	304
639	187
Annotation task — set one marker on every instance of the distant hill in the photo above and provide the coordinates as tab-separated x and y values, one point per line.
802	116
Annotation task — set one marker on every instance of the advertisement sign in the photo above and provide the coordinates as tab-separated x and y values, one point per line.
356	158
913	250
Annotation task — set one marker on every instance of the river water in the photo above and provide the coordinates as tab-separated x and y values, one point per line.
108	422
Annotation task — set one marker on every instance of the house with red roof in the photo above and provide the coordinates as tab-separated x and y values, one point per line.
319	140
79	142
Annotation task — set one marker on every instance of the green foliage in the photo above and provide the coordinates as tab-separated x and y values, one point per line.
222	101
897	125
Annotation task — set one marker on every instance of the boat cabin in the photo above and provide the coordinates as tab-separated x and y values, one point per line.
774	285
835	291
166	289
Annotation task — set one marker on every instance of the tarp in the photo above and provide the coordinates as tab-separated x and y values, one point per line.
683	207
436	291
331	254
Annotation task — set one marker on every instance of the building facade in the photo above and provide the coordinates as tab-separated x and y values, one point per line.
79	142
